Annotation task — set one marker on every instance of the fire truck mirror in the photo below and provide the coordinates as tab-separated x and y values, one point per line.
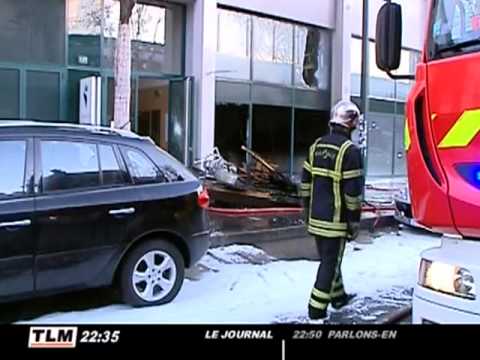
389	37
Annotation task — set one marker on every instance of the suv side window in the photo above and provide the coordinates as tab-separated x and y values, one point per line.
141	168
170	168
69	165
112	174
13	155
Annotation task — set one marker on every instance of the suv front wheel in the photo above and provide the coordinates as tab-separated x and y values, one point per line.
152	274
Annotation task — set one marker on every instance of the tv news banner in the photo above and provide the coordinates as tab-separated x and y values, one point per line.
277	340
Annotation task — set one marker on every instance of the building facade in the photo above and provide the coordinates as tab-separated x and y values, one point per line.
210	73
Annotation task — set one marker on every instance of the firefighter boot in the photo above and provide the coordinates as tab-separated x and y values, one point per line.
316	314
343	301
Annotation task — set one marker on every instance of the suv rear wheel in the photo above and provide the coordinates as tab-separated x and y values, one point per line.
152	274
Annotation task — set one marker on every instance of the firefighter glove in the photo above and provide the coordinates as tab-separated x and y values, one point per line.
353	229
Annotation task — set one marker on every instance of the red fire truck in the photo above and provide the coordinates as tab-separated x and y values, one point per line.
443	152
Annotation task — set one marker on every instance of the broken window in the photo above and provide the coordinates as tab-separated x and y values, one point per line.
231	131
271	132
312	57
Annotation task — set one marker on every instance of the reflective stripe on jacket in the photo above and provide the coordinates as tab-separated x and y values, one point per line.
332	185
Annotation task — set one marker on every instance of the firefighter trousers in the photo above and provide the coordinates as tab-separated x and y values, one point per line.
329	283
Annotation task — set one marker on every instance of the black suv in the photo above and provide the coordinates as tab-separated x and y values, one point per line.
89	207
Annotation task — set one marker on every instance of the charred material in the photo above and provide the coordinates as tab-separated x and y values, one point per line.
256	185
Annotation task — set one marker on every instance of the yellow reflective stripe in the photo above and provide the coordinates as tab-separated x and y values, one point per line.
337	293
312	150
328	224
463	131
328	146
324	232
327	173
318	305
337	200
406	136
339	161
304	193
353	199
320	294
307	166
353	207
336	182
305	186
352	174
353	202
338	265
311	165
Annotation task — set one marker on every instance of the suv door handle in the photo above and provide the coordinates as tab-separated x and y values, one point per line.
126	211
14	224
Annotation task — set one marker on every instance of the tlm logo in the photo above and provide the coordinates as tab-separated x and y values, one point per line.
53	337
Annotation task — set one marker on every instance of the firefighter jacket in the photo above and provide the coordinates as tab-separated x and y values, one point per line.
332	185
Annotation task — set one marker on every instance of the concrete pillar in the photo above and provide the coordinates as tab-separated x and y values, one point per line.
201	42
341	89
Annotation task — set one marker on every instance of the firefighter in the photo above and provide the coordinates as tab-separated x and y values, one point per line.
332	184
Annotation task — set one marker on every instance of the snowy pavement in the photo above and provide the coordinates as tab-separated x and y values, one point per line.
243	285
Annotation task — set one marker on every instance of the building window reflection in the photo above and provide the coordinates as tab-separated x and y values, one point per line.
147	22
272	51
233	45
381	86
154	32
283	53
84	19
386	156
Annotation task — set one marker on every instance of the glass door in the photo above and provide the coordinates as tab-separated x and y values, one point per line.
179	119
108	101
153	109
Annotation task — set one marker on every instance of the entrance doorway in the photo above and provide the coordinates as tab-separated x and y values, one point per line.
153	110
160	109
164	114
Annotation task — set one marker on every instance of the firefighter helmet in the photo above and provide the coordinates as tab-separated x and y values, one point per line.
346	114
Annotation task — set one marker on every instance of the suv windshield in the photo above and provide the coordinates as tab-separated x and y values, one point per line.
455	27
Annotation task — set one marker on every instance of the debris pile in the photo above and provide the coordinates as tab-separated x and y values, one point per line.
214	166
256	185
265	174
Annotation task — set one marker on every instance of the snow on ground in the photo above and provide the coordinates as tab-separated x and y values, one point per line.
243	285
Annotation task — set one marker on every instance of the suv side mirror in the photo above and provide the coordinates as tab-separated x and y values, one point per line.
389	37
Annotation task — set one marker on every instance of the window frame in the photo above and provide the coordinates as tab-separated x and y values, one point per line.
123	149
69	139
293	63
28	167
431	53
127	180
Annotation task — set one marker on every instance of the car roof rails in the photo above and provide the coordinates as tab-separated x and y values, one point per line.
18	122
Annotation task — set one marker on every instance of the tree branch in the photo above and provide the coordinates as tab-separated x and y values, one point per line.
126	8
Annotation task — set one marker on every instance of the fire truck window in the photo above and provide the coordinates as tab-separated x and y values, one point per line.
455	22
